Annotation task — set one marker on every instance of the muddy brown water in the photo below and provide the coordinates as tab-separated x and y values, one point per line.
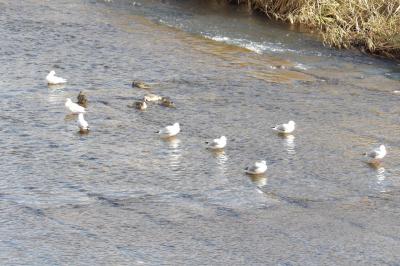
122	196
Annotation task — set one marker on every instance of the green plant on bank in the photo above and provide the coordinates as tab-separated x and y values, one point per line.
371	25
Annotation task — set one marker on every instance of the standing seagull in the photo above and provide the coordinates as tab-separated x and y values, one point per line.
170	131
82	124
257	168
52	79
285	128
73	107
376	155
217	144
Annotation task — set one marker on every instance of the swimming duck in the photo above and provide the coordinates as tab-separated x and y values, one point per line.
82	99
167	102
140	85
141	105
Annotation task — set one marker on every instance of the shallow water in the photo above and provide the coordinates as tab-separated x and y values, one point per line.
122	196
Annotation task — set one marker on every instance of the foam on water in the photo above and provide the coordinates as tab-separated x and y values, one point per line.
257	47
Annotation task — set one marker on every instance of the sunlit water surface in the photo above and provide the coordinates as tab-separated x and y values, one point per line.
122	196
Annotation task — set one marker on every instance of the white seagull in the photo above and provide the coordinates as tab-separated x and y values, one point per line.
376	155
285	128
82	124
152	98
257	168
170	131
73	107
52	79
217	144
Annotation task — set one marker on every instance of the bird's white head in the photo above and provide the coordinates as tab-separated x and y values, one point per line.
223	138
382	147
263	162
176	124
68	101
52	73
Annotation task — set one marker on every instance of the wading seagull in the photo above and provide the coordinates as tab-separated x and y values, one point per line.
217	144
257	168
285	128
170	131
82	124
52	79
376	155
73	107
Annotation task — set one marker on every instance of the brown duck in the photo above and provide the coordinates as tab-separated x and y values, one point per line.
82	99
167	102
140	85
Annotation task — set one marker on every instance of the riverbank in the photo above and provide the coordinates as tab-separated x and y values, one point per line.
372	26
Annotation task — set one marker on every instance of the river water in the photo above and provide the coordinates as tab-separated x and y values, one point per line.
122	196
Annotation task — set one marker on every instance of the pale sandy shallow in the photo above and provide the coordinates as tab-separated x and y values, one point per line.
122	196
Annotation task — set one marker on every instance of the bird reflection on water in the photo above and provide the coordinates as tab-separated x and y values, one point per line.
381	182
289	144
174	153
259	180
221	159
